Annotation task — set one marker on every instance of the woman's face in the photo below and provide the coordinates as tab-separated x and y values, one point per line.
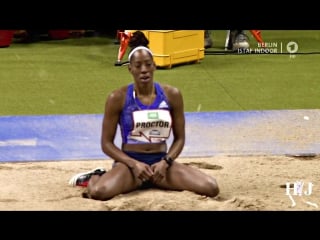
142	66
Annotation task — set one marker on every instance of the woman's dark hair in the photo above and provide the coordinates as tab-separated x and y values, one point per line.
138	39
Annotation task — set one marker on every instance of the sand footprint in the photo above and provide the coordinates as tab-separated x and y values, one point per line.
205	165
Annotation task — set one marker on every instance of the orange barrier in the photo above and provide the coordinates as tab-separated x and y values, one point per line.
257	35
124	38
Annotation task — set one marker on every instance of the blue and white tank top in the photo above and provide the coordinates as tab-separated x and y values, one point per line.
145	124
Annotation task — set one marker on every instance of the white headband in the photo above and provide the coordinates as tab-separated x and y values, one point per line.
139	48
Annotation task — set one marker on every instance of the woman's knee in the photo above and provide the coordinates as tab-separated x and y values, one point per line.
99	192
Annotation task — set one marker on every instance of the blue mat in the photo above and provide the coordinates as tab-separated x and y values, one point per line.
76	137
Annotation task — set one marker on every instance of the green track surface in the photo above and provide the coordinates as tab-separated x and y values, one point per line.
74	76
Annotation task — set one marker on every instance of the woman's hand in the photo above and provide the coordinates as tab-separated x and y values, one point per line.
159	170
142	171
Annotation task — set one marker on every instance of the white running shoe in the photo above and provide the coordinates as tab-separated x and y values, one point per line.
82	179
